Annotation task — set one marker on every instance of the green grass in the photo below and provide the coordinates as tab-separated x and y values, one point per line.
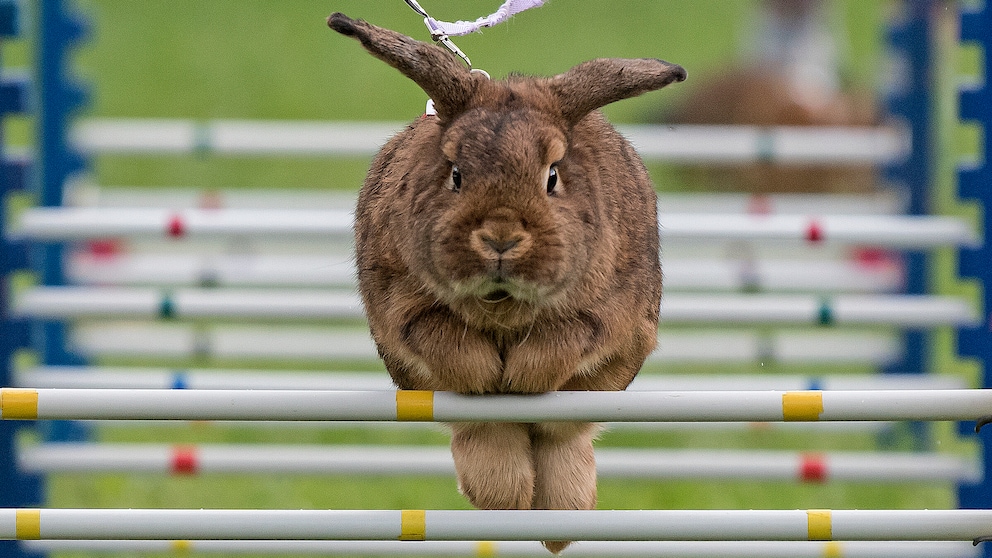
253	59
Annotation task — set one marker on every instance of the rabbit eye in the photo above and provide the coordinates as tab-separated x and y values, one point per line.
552	178
455	180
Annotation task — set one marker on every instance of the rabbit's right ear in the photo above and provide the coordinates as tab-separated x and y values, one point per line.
438	72
599	82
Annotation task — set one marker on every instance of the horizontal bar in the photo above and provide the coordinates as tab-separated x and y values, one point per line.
425	406
340	248
521	525
89	377
138	302
843	428
135	378
888	231
81	194
897	310
779	144
66	223
233	270
713	144
181	340
325	270
303	304
427	460
528	549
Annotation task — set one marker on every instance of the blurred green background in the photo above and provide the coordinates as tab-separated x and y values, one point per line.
257	59
278	60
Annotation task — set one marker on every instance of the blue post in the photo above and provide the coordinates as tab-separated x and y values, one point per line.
58	31
975	183
16	488
910	99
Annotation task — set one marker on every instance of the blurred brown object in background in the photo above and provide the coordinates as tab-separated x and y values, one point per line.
792	79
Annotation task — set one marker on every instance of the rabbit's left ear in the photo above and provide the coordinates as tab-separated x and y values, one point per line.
442	76
597	83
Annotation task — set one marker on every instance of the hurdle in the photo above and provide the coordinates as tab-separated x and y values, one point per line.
522	525
311	304
597	549
107	377
178	340
809	467
607	406
48	224
87	194
713	144
327	270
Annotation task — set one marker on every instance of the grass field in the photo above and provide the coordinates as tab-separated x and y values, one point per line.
254	59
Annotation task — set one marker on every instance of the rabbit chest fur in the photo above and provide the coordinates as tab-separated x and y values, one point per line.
509	244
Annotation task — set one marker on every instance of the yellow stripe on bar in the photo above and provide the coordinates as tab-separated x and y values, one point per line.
485	549
27	525
18	404
181	546
414	405
802	405
833	549
819	525
413	525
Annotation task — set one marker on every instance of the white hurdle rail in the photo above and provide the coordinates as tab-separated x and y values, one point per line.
327	270
522	525
815	467
109	377
171	339
216	379
427	406
65	377
696	144
316	304
84	194
524	549
48	224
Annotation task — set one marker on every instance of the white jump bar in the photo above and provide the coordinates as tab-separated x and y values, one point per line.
132	302
302	270
528	549
74	223
890	231
884	202
434	460
618	525
88	377
419	406
302	304
173	339
703	144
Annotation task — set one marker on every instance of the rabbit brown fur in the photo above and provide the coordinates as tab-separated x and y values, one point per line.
509	244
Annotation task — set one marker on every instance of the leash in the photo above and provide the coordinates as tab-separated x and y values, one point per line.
441	30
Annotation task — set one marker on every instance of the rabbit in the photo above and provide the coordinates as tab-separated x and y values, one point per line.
509	244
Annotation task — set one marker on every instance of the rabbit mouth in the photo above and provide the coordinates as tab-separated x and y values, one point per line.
498	295
494	290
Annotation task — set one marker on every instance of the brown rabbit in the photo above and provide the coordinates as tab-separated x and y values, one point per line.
509	244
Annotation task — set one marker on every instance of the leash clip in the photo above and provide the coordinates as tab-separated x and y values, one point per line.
437	35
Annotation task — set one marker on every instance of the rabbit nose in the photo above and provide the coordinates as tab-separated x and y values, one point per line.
500	245
493	244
